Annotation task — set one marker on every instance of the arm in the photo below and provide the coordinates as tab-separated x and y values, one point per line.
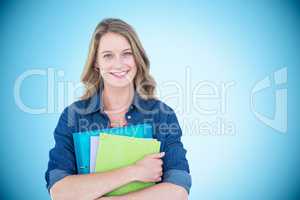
61	175
64	183
159	191
91	186
176	182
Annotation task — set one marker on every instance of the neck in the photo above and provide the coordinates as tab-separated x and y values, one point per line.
117	99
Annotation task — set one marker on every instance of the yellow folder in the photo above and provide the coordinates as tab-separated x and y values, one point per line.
119	151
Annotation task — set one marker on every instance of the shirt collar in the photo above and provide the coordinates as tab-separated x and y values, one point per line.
97	101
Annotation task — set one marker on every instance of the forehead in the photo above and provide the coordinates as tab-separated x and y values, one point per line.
113	42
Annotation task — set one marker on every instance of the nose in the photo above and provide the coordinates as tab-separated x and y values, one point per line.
118	64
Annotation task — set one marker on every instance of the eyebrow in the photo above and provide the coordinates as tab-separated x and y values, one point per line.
103	52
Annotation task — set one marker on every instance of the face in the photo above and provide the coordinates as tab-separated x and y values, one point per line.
115	60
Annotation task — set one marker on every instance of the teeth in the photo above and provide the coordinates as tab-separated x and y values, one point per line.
119	73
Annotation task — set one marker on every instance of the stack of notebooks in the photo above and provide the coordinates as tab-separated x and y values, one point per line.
113	148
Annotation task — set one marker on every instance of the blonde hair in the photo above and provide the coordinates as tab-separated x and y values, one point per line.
144	83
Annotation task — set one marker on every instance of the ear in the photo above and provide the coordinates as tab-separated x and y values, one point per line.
96	69
96	66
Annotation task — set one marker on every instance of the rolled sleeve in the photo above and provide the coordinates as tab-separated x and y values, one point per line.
176	167
54	176
62	160
178	177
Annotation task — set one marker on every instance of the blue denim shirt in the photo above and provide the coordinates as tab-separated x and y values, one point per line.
86	115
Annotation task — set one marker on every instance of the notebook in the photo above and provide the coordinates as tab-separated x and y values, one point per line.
93	152
82	141
117	151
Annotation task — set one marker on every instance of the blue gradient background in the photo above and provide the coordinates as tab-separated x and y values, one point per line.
219	41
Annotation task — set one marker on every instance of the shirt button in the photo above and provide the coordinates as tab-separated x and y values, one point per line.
129	117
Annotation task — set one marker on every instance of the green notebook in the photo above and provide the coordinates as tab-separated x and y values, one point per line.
119	151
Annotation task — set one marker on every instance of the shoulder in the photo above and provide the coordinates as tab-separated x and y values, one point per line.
163	107
81	107
165	120
155	105
160	110
76	109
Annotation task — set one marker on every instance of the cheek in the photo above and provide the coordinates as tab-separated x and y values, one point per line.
129	61
105	67
133	70
105	64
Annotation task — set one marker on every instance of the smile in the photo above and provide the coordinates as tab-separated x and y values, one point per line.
119	74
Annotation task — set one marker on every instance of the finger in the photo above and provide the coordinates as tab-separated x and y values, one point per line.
157	155
158	179
161	173
160	162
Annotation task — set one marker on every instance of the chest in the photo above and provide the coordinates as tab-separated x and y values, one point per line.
97	120
117	119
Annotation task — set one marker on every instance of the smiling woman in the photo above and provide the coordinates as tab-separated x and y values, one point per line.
119	92
117	60
115	49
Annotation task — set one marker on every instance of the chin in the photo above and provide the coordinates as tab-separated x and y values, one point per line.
118	83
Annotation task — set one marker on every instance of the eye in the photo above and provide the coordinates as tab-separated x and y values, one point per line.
107	56
128	53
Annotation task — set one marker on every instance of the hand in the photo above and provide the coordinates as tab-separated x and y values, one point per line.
105	198
149	169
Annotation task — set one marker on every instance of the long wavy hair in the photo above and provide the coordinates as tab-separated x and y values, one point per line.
144	84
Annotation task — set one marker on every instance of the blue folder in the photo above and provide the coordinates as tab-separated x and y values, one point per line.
82	141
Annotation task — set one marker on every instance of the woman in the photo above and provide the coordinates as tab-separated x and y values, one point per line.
119	92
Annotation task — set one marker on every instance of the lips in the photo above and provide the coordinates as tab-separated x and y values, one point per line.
121	74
